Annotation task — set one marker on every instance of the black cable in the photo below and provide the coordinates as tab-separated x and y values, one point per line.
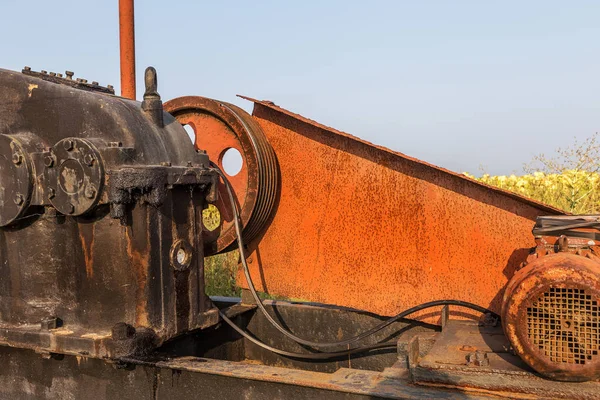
300	340
307	356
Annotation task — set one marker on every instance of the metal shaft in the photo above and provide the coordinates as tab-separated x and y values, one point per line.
127	39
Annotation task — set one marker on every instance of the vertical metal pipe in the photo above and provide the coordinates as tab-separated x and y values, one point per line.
127	40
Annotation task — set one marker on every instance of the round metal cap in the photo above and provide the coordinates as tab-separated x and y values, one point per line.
16	181
76	178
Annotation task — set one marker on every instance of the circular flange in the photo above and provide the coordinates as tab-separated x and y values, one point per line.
181	255
218	127
75	176
550	314
16	181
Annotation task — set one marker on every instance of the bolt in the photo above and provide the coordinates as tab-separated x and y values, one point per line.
165	164
19	199
27	68
89	159
68	144
122	331
44	72
95	83
51	323
51	193
478	359
189	163
115	144
52	73
59	75
90	192
70	208
84	81
17	158
69	74
110	87
49	161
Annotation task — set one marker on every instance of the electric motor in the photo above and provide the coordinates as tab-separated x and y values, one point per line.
551	307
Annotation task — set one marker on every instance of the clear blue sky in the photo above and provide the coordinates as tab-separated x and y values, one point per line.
456	83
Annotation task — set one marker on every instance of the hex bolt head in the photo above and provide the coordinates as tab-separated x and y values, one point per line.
49	161
17	158
478	359
89	159
115	144
68	145
70	208
19	199
51	193
165	164
122	331
51	323
90	192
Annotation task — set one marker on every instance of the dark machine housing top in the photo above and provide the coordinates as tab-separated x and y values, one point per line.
101	203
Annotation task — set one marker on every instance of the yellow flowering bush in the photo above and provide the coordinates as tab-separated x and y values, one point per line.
573	190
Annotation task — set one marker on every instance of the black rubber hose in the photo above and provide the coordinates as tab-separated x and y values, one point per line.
346	342
307	356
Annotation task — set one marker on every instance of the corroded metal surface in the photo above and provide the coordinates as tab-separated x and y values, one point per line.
104	224
31	377
363	226
448	363
551	314
219	127
127	47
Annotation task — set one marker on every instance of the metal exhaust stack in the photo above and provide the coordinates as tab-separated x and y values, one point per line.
127	44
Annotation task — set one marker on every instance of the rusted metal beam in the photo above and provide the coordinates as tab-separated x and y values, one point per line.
127	44
363	226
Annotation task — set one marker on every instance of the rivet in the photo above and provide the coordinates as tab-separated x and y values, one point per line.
19	199
51	193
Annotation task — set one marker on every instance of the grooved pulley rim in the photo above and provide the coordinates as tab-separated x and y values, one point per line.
218	127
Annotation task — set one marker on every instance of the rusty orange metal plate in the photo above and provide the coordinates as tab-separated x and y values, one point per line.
362	226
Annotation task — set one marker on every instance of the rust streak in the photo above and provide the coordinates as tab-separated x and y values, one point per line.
139	264
86	235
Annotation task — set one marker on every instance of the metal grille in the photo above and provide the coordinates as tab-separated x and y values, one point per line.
564	324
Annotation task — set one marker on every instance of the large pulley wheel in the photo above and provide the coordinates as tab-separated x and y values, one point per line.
220	127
